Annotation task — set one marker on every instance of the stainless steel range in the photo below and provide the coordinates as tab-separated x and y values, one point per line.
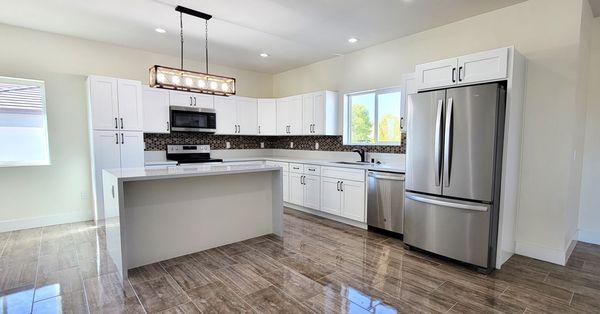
190	154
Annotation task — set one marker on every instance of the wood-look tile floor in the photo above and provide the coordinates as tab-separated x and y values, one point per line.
318	266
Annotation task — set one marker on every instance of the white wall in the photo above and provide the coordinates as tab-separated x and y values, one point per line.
32	196
589	215
548	34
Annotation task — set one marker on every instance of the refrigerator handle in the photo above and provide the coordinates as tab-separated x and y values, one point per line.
448	142
438	140
416	198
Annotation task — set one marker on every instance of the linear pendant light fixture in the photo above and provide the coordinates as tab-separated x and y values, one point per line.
181	79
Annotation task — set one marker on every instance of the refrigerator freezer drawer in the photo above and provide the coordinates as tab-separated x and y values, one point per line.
455	229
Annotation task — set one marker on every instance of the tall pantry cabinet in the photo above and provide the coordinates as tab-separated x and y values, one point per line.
116	122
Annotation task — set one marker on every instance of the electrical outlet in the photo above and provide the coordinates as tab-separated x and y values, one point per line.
316	145
227	145
291	144
262	144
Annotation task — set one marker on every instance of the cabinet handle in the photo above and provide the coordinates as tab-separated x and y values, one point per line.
191	102
459	71
337	186
168	127
122	139
401	122
259	129
239	128
453	75
341	186
117	138
116	124
195	102
121	123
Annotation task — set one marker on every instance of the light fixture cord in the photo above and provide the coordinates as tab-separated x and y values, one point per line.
206	44
181	35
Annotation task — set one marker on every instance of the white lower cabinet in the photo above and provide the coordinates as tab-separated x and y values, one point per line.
312	192
353	200
286	186
296	188
331	202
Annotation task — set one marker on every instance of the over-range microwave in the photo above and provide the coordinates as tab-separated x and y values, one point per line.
193	119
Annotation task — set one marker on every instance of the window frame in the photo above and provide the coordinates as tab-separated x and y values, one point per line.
46	141
347	116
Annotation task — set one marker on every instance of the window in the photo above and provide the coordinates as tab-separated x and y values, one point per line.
373	117
23	132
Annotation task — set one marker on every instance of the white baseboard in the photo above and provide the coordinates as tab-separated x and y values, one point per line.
42	221
589	236
552	255
343	220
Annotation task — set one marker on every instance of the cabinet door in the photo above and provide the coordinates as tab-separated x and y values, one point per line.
203	100
177	98
319	113
130	105
267	117
353	200
308	113
104	106
132	149
106	156
283	109
226	115
331	198
312	192
296	189
247	115
409	86
156	110
295	115
436	74
483	66
286	186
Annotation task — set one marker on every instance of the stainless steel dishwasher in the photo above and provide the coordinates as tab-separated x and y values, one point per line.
385	201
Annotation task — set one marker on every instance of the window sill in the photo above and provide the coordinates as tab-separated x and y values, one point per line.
24	164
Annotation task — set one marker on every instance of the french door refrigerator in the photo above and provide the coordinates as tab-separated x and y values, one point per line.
453	171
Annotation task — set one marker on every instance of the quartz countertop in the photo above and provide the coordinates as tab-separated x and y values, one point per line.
397	168
170	171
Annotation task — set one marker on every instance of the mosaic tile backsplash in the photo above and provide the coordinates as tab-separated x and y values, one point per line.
326	143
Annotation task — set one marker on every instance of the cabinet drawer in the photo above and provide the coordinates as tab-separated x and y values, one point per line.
284	165
312	169
344	173
297	168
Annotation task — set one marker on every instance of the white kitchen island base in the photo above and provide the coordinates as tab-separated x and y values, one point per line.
158	214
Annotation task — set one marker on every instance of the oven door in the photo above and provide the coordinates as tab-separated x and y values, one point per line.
190	119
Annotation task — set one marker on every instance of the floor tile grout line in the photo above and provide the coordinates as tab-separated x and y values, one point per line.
237	294
453	305
37	265
572	297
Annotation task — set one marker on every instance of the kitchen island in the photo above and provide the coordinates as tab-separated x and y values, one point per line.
154	214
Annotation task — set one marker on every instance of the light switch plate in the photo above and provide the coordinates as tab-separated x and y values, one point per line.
291	144
316	145
262	144
227	145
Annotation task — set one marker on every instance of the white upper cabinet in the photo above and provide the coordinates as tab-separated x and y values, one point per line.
226	112
437	73
156	110
115	104
236	115
486	66
267	117
289	115
247	115
130	105
483	66
179	98
319	113
104	106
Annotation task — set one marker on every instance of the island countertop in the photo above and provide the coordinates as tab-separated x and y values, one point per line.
170	172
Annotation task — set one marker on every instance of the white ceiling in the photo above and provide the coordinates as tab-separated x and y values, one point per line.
293	32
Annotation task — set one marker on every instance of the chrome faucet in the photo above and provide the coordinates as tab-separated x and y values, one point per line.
361	152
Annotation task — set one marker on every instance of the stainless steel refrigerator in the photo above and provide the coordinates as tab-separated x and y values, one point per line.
453	171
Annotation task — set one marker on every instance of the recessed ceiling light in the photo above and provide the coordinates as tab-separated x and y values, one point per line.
264	54
160	30
352	40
